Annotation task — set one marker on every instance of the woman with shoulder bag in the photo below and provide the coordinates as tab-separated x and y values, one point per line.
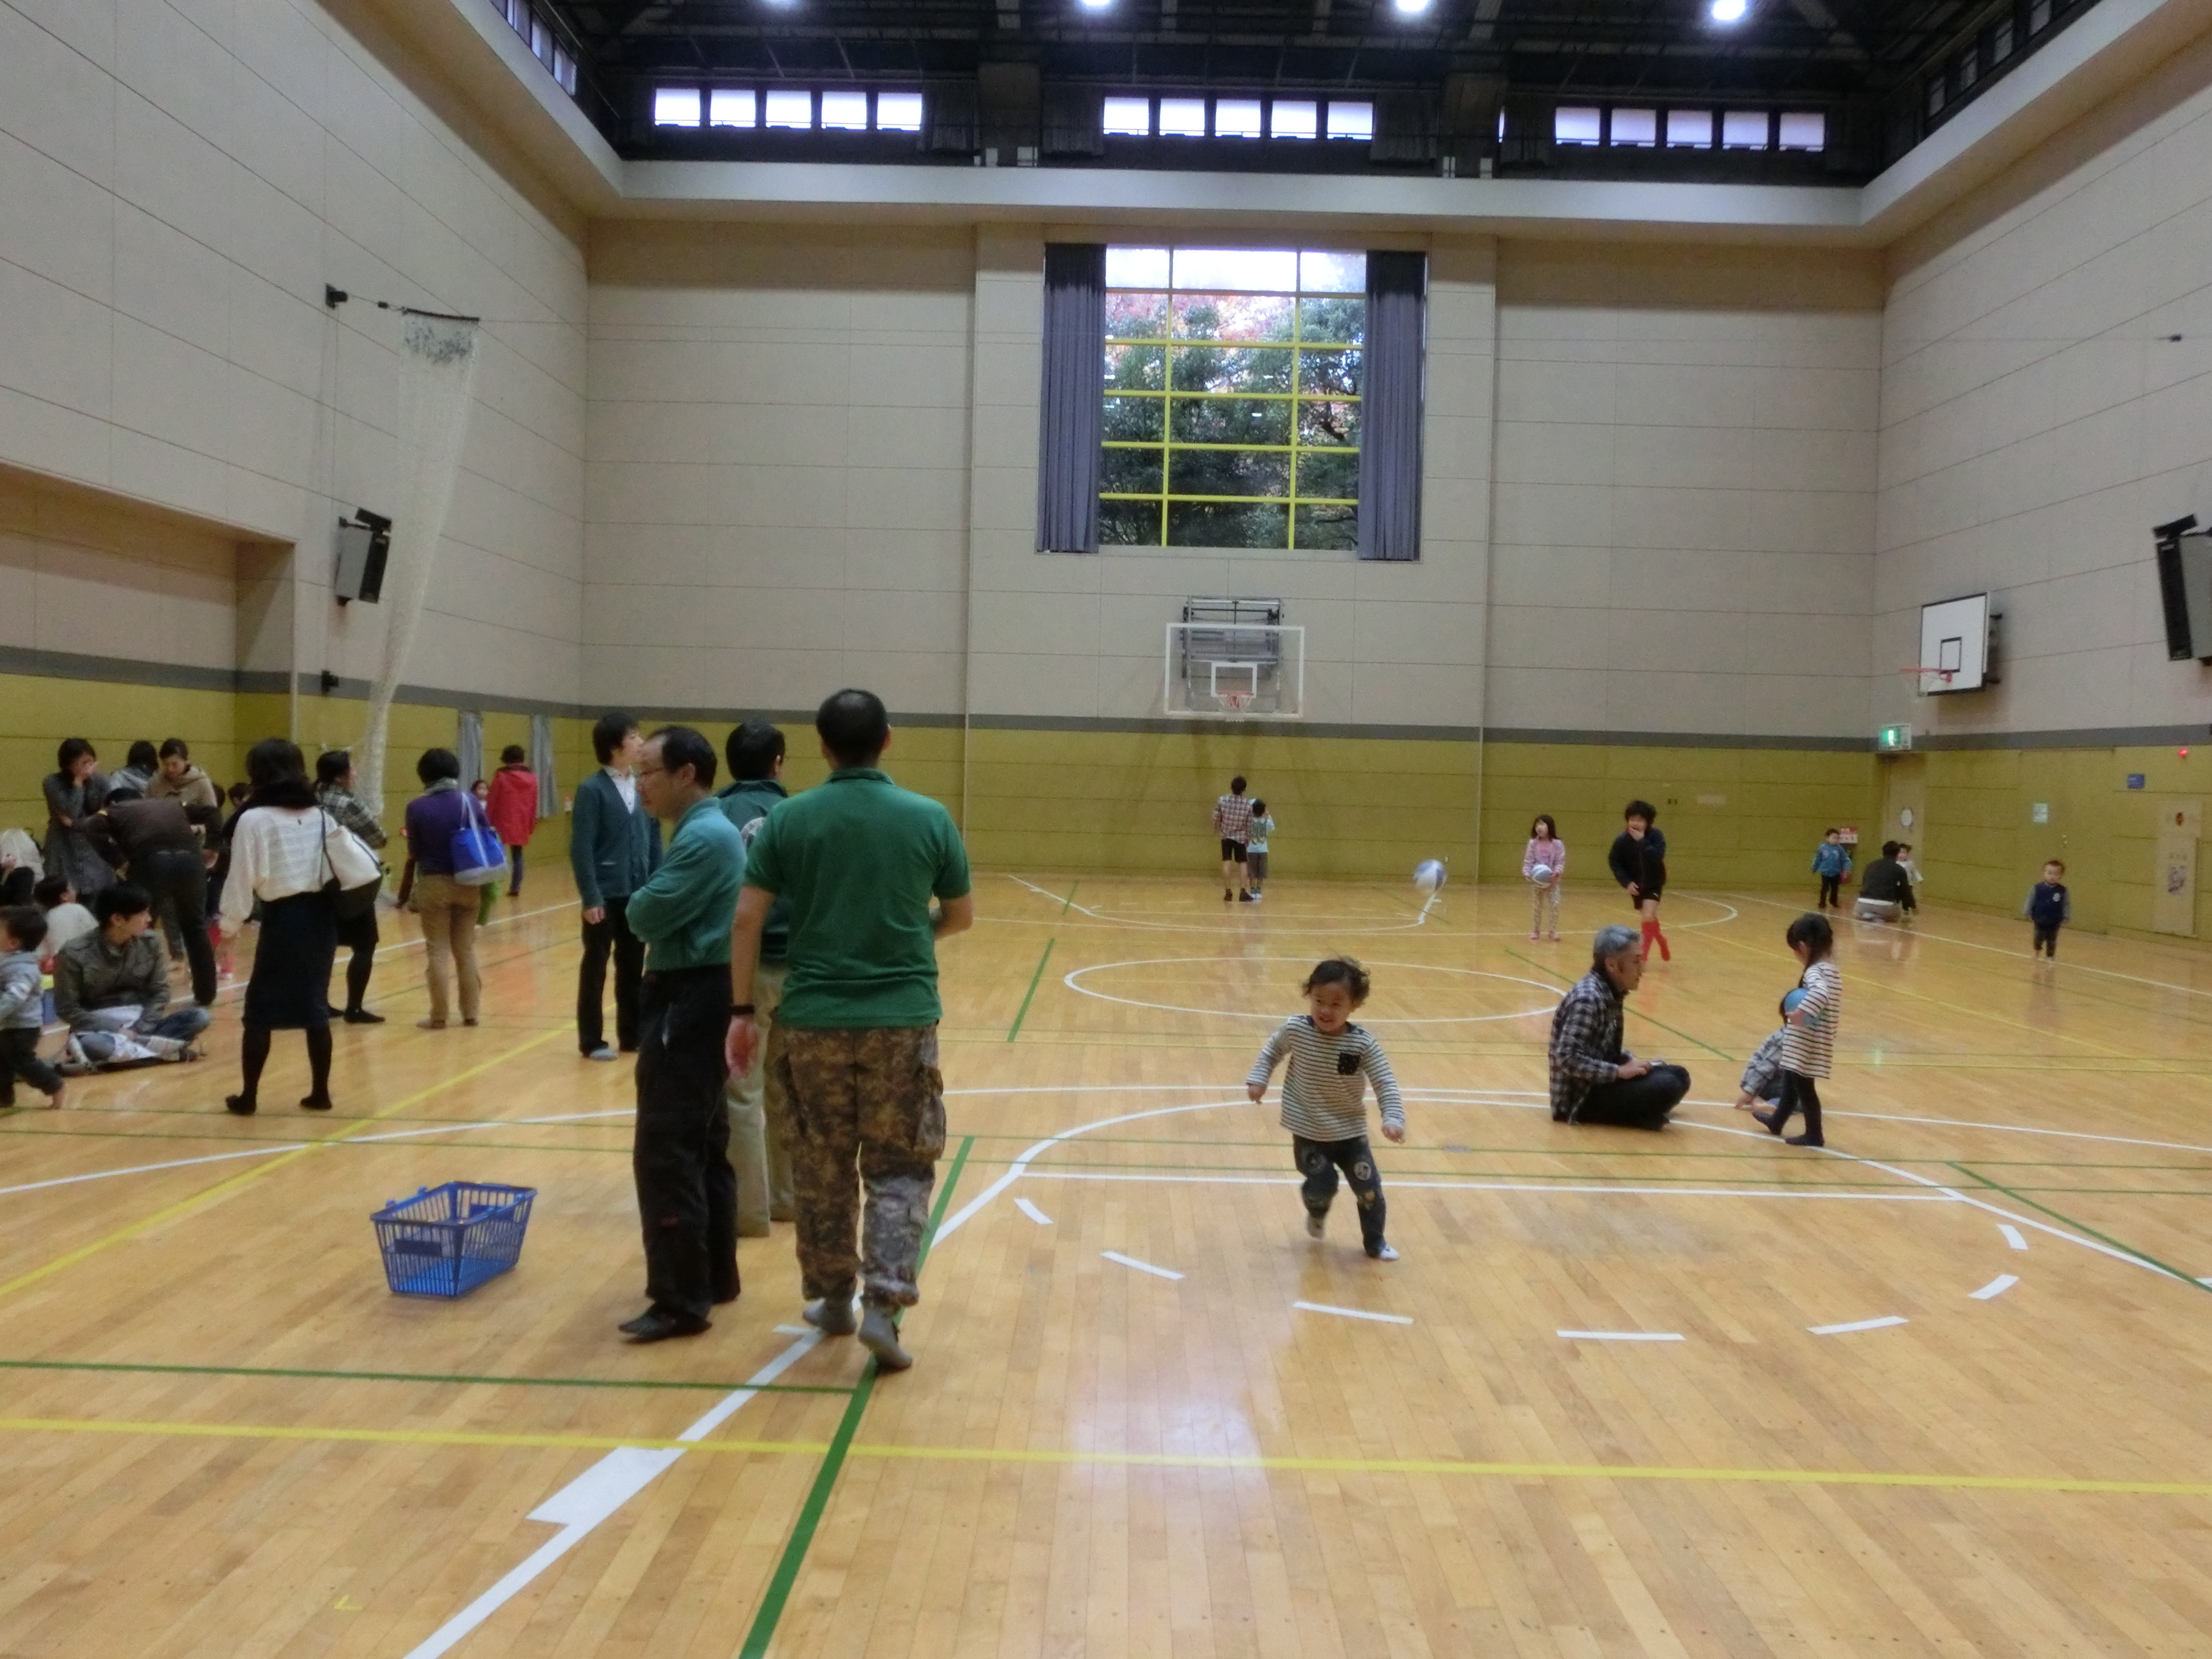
357	930
444	823
287	853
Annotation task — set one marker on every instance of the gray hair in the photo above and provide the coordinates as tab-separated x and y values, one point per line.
1613	941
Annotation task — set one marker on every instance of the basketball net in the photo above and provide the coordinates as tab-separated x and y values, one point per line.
1920	676
1234	702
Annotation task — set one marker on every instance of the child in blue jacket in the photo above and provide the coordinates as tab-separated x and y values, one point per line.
2049	906
1832	862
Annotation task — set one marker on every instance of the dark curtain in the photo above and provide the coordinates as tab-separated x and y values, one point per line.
1390	407
1071	423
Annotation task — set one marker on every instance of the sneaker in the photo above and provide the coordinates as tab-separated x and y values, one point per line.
602	1052
1382	1253
360	1016
1227	895
831	1318
1244	898
1317	1226
1803	1140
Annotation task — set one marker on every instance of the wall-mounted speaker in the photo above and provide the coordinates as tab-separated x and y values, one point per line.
364	545
2184	588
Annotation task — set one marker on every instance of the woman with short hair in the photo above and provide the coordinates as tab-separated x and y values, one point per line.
74	792
448	909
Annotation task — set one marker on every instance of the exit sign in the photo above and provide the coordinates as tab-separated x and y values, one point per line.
1894	739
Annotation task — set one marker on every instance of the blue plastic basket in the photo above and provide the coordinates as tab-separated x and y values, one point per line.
447	1240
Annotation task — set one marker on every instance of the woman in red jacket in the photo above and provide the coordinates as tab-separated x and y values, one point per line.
513	808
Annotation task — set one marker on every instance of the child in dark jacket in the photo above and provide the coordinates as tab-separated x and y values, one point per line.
22	1005
2049	906
1638	862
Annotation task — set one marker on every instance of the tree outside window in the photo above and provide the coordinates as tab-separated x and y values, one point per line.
1232	397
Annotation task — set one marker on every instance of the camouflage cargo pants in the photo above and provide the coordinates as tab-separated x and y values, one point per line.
872	1099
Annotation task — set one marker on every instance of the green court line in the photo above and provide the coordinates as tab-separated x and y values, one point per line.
456	1377
1070	900
2190	1280
817	1497
1638	1012
1022	1013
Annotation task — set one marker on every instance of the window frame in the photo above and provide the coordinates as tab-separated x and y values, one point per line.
1166	496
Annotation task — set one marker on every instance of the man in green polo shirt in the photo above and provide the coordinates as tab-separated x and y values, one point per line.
686	1193
854	1046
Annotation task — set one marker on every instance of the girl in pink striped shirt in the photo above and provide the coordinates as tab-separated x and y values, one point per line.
1546	852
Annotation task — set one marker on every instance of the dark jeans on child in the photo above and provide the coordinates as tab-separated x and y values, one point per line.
1320	1160
2046	938
1799	1093
19	1057
1831	892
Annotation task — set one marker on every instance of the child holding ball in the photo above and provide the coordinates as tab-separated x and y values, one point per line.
1541	866
1324	1108
1810	1015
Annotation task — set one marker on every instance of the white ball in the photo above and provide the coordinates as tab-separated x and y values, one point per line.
1541	874
1428	875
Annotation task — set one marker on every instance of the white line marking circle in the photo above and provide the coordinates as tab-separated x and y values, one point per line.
1072	980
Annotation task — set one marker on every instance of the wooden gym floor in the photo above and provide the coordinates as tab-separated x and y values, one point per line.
1940	1390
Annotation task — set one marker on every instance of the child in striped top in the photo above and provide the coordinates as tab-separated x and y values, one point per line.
1810	1016
1324	1106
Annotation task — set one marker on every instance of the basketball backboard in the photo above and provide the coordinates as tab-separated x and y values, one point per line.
1234	659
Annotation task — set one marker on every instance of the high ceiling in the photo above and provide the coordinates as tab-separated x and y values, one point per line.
1865	61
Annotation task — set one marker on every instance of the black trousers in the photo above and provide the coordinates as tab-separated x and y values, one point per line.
1800	1093
2046	939
609	936
177	880
514	886
19	1057
1637	1102
687	1190
1320	1160
1831	892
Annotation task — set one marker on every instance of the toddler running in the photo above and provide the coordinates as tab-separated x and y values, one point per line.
1331	1061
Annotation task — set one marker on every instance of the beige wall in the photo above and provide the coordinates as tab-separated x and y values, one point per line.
1686	490
177	185
779	465
2036	420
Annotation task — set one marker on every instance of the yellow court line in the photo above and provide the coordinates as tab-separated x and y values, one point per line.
223	1188
2020	1483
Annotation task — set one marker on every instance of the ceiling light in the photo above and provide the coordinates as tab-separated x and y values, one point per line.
1409	7
1729	11
1094	5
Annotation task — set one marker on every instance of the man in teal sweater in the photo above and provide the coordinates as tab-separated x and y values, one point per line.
686	1193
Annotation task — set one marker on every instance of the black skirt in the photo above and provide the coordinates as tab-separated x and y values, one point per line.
290	986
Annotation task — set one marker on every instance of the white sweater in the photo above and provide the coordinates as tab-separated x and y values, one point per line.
280	852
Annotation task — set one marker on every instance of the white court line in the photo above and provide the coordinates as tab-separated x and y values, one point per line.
274	1147
1505	1187
1070	979
593	1496
1141	1267
1354	1313
2012	1235
1033	1212
1624	1336
227	988
1883	1323
1997	1286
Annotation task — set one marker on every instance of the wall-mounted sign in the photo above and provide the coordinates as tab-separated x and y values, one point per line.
2038	812
2134	780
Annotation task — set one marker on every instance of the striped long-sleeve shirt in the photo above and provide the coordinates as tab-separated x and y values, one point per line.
1324	1088
1809	1049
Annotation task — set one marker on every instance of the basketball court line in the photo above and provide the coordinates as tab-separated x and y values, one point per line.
457	1379
1354	1313
1070	981
223	1188
1881	1324
1624	1336
1035	1456
1996	1287
1141	1267
2071	966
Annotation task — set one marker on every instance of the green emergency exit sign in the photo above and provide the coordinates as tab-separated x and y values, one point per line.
1894	739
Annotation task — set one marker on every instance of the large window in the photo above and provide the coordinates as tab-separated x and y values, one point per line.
1232	397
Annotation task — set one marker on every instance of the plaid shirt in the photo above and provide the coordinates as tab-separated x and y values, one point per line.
347	808
1232	818
1586	1048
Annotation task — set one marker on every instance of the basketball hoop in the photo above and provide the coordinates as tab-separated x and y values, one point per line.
1234	702
1921	676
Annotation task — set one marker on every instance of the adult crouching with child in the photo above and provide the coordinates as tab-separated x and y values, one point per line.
1595	1080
